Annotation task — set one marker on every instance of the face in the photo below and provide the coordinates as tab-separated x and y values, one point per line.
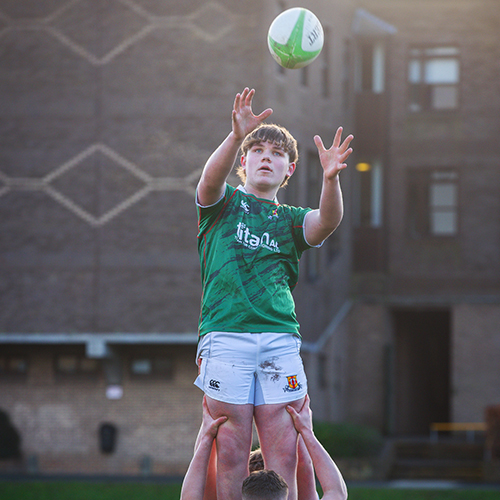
266	165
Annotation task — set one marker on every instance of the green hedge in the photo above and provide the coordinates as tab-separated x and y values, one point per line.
345	440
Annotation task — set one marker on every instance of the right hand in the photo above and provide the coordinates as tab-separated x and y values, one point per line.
302	420
243	118
209	425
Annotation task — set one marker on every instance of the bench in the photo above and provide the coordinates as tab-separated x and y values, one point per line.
470	428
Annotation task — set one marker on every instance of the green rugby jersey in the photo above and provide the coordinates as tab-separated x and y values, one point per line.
249	252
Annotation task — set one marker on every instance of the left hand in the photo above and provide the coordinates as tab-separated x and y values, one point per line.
302	420
333	159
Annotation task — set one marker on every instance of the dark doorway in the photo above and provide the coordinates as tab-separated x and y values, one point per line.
422	369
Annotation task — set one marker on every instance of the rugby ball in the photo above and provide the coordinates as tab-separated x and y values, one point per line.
295	38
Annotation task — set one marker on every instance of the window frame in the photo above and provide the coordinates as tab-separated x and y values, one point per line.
420	209
79	373
155	374
420	93
8	374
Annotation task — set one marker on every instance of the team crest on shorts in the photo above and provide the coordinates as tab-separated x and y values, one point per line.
293	384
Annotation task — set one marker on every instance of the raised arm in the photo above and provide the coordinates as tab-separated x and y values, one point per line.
193	486
218	167
306	480
329	476
321	223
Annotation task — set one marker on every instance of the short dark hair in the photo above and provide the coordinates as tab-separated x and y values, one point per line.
256	461
275	134
264	485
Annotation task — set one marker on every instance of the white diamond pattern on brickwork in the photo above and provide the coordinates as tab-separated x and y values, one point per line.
143	23
151	184
221	23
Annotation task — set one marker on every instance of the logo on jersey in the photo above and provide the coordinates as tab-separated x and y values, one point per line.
274	214
245	206
293	384
253	241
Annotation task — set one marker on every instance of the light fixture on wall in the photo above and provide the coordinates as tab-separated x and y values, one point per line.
363	167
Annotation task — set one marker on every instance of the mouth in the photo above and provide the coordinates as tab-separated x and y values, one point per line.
265	168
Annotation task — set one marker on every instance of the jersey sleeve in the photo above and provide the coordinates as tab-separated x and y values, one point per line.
207	216
298	217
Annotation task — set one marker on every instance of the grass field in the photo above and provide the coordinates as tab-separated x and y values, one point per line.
62	490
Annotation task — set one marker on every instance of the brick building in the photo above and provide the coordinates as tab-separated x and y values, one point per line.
424	326
109	110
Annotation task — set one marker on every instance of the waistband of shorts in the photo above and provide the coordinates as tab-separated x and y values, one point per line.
295	334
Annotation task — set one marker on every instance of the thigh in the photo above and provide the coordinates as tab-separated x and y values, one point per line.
275	425
238	414
278	441
235	435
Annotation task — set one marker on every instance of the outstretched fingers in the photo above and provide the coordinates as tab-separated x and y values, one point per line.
345	145
337	141
338	137
336	156
243	118
247	96
319	144
265	114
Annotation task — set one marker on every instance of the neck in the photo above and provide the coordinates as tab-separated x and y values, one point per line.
266	194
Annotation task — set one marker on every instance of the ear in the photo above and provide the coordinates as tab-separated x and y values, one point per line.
243	161
291	169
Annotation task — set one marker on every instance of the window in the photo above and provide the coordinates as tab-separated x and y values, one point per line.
433	76
370	66
433	203
368	194
443	203
152	366
76	365
13	366
325	68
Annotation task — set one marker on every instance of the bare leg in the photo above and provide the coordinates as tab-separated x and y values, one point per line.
234	441
278	441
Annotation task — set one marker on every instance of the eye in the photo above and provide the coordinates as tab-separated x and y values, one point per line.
258	150
278	153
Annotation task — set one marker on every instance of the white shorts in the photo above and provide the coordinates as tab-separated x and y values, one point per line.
251	368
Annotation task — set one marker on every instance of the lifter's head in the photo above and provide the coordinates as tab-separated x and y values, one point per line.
264	485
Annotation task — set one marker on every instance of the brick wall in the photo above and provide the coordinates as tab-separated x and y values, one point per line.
475	351
58	418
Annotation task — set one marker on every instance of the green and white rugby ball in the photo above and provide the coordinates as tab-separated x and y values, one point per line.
295	38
